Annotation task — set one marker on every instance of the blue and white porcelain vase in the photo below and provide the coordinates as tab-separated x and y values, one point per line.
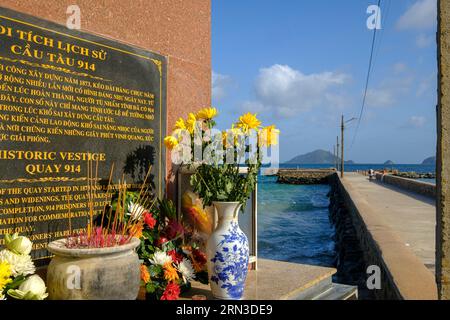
228	254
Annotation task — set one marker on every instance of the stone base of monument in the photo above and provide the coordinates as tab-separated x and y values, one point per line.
111	273
276	280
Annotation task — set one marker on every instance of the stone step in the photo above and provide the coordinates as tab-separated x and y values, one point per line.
339	291
327	290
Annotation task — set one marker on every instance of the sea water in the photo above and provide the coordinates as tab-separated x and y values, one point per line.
293	220
293	223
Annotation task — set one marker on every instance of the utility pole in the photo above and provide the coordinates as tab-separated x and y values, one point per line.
342	146
337	153
334	155
342	142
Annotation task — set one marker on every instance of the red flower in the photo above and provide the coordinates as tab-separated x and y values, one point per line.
174	229
161	241
176	257
149	220
199	256
172	292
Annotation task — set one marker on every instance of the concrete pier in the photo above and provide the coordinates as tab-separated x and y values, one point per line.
305	176
396	229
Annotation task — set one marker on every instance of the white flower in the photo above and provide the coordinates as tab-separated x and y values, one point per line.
187	270
18	244
136	211
160	258
20	264
33	288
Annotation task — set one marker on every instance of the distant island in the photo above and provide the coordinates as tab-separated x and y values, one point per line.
316	157
429	161
325	157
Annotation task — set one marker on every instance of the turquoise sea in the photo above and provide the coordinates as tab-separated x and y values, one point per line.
293	223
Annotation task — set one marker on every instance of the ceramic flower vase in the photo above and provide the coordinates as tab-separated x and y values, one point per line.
228	254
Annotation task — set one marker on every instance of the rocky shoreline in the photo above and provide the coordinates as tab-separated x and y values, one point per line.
415	175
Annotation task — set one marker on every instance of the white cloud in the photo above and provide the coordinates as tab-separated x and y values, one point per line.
416	122
389	91
220	84
425	85
287	92
400	67
380	97
423	41
421	15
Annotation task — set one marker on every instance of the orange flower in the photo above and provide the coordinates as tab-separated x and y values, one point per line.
170	272
136	230
197	266
145	275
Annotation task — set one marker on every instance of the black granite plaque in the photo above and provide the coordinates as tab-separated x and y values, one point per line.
65	97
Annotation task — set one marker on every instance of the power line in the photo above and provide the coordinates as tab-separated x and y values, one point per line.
367	78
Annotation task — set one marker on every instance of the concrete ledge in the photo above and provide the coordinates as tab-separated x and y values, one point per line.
404	276
419	187
275	280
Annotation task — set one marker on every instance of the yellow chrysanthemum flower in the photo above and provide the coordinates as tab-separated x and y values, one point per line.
180	125
190	122
5	274
170	272
170	142
248	121
236	132
207	113
268	136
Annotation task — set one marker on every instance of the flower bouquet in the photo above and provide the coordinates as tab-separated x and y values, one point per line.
217	158
17	278
168	266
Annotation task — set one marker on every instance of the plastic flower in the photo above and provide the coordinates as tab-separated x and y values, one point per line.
190	122
136	211
160	258
136	230
20	264
5	275
176	257
268	136
207	113
170	142
149	220
172	292
180	125
145	275
248	121
198	260
174	229
170	272
199	256
18	244
187	270
32	288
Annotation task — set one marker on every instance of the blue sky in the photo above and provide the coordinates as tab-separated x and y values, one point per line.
300	64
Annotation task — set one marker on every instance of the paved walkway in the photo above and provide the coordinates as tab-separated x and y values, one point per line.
411	216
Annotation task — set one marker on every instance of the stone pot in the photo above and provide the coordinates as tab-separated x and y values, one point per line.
93	274
228	254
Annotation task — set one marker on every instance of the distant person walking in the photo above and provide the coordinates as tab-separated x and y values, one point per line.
371	174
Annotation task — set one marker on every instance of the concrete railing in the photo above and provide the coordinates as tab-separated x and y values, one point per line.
419	187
